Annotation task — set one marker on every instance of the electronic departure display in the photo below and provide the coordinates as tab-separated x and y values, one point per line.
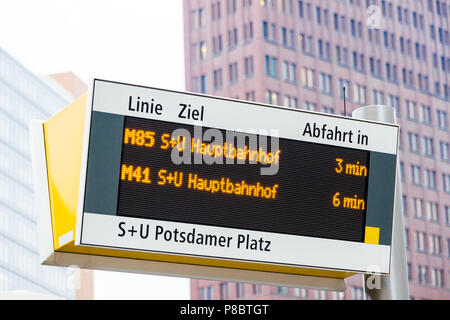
318	190
200	176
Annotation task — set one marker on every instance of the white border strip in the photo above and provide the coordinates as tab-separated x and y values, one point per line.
41	192
84	160
236	115
290	250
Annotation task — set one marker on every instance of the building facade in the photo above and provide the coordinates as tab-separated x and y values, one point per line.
311	54
23	97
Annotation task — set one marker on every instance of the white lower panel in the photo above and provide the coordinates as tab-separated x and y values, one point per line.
236	244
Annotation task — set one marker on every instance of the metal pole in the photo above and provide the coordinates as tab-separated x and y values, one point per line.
394	286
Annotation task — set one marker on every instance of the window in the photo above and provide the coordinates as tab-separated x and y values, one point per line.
435	60
407	244
300	9
288	38
248	64
215	11
203	294
415	175
399	14
265	30
336	295
307	43
413	142
206	293
435	244
269	31
217	74
217	44
210	293
442	119
326	109
250	96
422	274
417	47
427	146
301	292
343	29
290	102
377	97
344	56
418	206
320	48
231	6
402	171
233	72
282	290
202	52
271	66
289	72
195	52
224	291
357	293
309	106
431	210
444	150
394	102
284	37
240	290
430	178
447	221
411	78
318	16
372	65
420	241
437	278
320	294
402	45
352	28
257	289
307	77
195	19
437	88
359	93
355	60
325	83
248	31
425	114
411	110
200	84
232	38
344	85
424	53
271	97
446	182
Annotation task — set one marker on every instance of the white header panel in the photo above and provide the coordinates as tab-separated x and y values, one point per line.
228	114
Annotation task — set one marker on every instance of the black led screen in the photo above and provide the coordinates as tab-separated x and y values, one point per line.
318	190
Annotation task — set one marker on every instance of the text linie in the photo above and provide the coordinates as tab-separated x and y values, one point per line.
144	106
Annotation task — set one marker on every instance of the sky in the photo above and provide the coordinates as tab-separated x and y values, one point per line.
134	41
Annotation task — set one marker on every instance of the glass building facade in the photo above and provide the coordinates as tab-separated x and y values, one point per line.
23	97
303	54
